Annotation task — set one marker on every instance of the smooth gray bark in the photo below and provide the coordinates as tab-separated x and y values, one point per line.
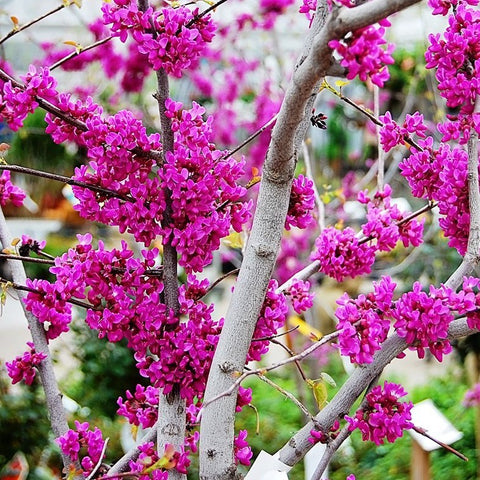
217	425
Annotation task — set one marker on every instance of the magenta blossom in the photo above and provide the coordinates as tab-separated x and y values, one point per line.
23	367
384	417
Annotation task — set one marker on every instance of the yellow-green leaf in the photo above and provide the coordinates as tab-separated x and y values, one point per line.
328	379
234	240
319	392
341	83
304	328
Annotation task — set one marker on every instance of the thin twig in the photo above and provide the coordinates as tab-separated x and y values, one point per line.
261	371
287	394
79	51
218	280
99	463
277	335
26	259
67	180
250	138
450	449
205	12
29	24
292	354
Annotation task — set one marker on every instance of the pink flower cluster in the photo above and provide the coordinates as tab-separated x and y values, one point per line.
83	443
423	320
18	101
49	305
302	201
145	467
384	417
392	134
441	175
363	56
23	367
243	453
472	396
181	356
457	60
171	38
141	407
300	296
271	318
384	222
9	192
317	436
205	194
81	111
441	7
137	205
364	323
341	253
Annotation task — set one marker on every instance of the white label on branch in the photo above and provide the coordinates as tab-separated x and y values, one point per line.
267	467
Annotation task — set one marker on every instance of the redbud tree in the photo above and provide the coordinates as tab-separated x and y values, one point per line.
175	182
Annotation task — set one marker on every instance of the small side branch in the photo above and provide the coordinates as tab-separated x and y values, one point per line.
78	52
29	24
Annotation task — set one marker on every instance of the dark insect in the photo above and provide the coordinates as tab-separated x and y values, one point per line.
318	120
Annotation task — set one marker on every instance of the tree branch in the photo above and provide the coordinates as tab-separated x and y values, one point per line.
217	426
340	405
53	397
171	407
122	465
76	52
54	110
29	24
67	180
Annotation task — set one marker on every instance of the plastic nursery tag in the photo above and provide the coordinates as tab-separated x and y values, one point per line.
267	467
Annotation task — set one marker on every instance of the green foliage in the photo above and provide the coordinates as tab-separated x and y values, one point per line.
106	370
279	418
24	425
